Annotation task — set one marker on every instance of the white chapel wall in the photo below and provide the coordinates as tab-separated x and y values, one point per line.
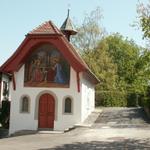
88	97
22	121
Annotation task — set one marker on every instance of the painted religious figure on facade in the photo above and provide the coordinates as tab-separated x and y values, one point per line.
46	67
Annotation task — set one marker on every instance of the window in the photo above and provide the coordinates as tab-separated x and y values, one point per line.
68	105
25	104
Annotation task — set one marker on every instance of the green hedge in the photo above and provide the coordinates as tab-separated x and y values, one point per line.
146	99
132	100
146	102
121	99
111	99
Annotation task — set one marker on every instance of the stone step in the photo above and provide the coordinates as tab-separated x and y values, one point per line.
50	132
23	132
91	118
70	128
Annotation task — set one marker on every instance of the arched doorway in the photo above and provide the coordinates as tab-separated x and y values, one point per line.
46	111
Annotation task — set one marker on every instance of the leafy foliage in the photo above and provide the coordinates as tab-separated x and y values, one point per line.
90	32
101	64
133	66
123	68
111	98
121	65
144	18
108	93
143	11
126	55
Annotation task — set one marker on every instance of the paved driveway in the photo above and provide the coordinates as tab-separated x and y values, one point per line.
122	117
100	136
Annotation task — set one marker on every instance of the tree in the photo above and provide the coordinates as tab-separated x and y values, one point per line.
142	71
143	11
108	93
133	65
101	64
120	64
89	33
125	54
90	44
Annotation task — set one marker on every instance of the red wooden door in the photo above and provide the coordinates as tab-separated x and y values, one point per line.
46	111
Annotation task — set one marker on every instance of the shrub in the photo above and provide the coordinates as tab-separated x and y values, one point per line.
111	99
132	99
5	113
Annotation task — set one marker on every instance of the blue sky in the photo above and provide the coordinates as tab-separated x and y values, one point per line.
18	17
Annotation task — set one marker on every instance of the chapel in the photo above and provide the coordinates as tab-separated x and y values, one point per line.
46	81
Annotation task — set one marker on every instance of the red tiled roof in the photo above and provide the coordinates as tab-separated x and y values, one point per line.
46	28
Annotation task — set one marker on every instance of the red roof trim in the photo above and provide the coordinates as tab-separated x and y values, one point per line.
19	57
55	38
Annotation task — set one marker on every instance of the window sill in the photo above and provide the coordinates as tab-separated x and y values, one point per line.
67	113
24	112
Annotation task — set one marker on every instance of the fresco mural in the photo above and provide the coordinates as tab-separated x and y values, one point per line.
46	67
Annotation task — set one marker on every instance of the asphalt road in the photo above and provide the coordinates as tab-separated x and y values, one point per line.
107	133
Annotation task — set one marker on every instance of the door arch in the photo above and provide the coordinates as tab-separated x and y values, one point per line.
46	111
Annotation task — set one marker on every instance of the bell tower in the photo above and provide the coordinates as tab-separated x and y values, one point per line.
67	27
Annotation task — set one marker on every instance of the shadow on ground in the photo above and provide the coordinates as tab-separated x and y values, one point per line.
120	144
3	133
